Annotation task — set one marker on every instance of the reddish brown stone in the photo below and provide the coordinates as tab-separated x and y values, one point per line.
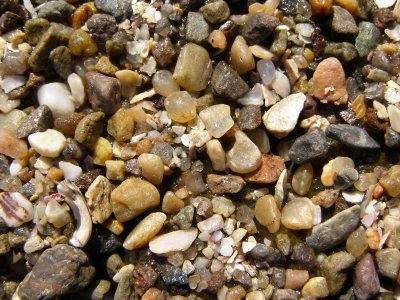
145	277
220	184
67	124
153	294
269	171
372	123
216	281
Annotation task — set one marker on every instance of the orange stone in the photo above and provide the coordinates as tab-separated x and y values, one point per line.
269	171
11	145
81	15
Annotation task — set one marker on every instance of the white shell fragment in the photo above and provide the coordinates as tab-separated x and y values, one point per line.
353	197
393	34
15	209
179	240
381	110
71	171
49	143
385	3
12	82
77	88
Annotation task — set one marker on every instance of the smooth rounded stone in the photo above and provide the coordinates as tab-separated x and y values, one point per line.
391	181
255	295
215	12
193	180
394	117
179	240
67	124
312	146
101	28
266	69
121	125
15	209
58	271
343	51
98	199
191	59
153	294
216	154
217	119
197	29
171	204
227	83
12	120
302	179
333	167
145	231
242	59
217	39
164	83
295	279
133	197
285	294
244	157
180	106
282	117
57	97
120	9
334	230
345	178
55	11
11	145
364	181
49	143
249	117
351	136
259	27
89	129
267	213
357	243
343	22
104	92
221	184
329	81
281	84
37	121
152	167
388	262
129	80
300	213
316	287
212	224
367	39
260	138
366	280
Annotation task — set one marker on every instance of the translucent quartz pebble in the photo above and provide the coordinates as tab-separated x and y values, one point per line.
181	107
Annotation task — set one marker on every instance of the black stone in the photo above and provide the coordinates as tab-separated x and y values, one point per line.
103	241
56	11
351	136
120	9
259	27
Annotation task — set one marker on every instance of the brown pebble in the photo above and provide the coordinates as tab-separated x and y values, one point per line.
383	18
145	277
269	171
171	204
372	123
366	280
236	293
216	281
81	15
85	180
326	198
153	294
220	184
378	191
67	124
164	52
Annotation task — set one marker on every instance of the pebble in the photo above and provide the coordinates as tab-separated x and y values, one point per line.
121	125
197	29
145	231
282	117
55	11
333	167
181	107
316	287
242	59
34	29
244	157
300	213
179	240
216	12
281	84
58	271
129	80
220	184
394	115
70	171
356	243
152	167
267	213
388	262
15	209
89	129
366	280
390	182
367	39
351	136
98	200
37	121
249	117
329	81
345	178
133	197
57	97
302	179
163	150
101	28
385	3
164	83
66	124
343	51
259	27
255	295
295	279
216	154
343	22
153	294
61	59
270	169
49	143
171	204
104	93
105	66
223	206
81	15
120	9
164	52
227	83
191	59
253	97
303	257
217	119
285	294
334	230
172	276
212	224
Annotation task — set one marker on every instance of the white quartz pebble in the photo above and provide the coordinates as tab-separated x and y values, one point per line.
71	171
217	119
57	97
77	88
394	117
49	143
281	84
179	240
253	97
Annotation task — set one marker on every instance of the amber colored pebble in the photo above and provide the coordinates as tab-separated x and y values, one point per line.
81	15
114	226
373	238
81	44
321	7
55	174
378	191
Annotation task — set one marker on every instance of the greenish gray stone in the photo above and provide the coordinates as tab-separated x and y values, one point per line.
197	29
120	9
215	12
344	51
34	29
279	44
388	261
367	39
343	22
56	11
90	128
184	218
62	61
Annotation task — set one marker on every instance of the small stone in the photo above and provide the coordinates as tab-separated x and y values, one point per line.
303	257
390	181
57	97
285	294
255	295
105	66
300	213
197	29
329	81
15	209
335	230
180	106
220	184
171	204
81	15
249	117
102	27
212	224
101	289
345	178
316	287
9	21
153	294
357	243
388	261
302	179
164	52
194	182
55	11
62	61
326	198
34	29
351	136
333	167
179	240
282	117
98	200
216	12
191	59
216	154
259	27
269	171
59	270
12	146
312	146
104	92
394	113
89	129
115	169
4	244
217	119
343	51
145	231
223	206
295	279
242	59
152	167
383	17
133	197
37	121
236	293
172	277
241	277
163	150
164	83
244	214
227	83
120	9
267	213
121	125
367	39
366	280
49	143
66	124
343	22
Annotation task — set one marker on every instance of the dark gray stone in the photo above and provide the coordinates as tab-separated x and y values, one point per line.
249	117
268	254
59	270
392	138
172	275
309	147
277	277
366	281
56	11
388	261
367	39
259	27
9	21
39	120
101	28
163	150
120	9
335	230
343	51
351	136
197	29
343	22
345	178
227	83
242	277
216	12
303	256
